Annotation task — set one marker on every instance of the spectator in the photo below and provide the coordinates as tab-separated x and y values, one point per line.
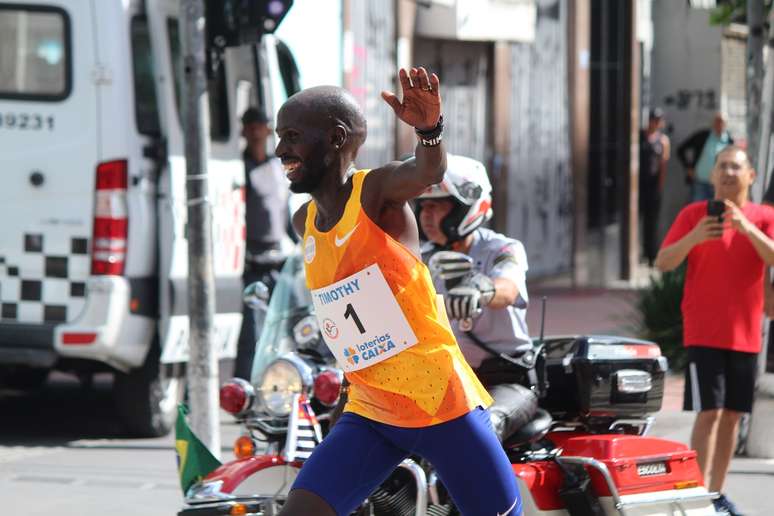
267	220
654	154
697	154
722	307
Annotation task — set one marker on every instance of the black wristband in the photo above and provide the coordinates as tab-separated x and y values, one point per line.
431	137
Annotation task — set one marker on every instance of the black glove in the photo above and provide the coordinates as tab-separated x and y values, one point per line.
466	300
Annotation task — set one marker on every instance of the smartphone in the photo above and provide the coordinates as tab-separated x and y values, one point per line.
716	208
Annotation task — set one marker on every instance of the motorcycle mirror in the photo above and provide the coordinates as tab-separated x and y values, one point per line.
450	265
256	295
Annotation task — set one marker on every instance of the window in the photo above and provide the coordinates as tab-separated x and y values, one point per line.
219	115
216	86
146	109
34	53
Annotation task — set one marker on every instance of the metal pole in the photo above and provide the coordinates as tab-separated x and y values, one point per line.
758	442
202	365
603	138
755	41
630	72
766	121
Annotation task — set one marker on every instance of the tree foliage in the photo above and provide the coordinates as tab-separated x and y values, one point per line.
661	318
733	11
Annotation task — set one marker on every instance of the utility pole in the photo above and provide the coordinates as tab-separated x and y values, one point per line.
759	443
202	363
756	35
762	159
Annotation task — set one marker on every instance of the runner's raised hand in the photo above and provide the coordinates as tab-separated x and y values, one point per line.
421	105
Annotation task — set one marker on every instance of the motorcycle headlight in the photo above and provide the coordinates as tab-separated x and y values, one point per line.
282	379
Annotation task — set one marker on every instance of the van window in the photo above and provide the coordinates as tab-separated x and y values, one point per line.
34	53
146	109
216	87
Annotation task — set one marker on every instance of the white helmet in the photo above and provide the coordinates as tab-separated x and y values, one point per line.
467	184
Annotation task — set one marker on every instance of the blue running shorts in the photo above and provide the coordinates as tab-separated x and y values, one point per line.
359	454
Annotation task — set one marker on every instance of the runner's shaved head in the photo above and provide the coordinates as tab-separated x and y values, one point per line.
328	106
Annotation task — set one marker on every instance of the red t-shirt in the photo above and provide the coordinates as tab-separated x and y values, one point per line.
723	293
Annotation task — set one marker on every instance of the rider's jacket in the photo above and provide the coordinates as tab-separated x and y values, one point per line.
425	384
504	329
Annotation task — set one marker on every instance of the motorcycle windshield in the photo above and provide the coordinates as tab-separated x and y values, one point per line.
289	323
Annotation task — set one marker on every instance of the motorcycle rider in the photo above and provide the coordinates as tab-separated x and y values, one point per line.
488	305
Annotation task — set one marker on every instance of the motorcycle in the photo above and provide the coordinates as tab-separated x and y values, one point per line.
584	452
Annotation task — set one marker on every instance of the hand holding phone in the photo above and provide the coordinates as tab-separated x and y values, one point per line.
716	208
711	226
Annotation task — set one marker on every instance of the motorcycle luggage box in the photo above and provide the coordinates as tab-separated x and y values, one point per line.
636	464
603	377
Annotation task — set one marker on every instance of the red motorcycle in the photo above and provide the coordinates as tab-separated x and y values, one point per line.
584	452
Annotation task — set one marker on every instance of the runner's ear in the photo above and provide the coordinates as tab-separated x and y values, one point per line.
339	136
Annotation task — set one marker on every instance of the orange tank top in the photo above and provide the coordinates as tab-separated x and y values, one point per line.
425	384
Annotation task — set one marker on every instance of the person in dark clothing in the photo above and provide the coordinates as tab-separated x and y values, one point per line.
654	154
697	155
267	220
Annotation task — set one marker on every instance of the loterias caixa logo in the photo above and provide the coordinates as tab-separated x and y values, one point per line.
369	349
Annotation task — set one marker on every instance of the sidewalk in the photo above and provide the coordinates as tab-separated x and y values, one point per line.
611	311
582	311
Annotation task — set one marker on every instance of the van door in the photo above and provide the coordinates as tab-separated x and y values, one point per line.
173	244
48	159
225	183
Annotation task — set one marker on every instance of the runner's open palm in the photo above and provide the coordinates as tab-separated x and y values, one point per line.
421	105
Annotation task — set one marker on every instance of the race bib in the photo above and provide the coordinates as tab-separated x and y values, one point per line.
361	321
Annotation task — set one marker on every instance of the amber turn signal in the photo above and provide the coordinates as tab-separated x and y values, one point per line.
244	447
238	509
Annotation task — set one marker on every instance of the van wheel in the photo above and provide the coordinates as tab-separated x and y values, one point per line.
146	399
23	378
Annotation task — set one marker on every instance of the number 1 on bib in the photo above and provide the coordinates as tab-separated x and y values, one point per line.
350	312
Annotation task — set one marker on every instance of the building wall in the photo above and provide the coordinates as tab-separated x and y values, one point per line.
539	178
685	82
370	68
463	69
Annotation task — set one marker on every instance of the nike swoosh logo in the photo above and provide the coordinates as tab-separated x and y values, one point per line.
343	240
506	513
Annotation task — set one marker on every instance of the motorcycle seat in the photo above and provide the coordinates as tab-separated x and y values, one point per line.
514	406
531	432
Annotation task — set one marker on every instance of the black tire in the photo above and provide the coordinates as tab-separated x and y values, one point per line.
146	399
23	378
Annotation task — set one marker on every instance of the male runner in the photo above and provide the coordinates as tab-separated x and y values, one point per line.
411	391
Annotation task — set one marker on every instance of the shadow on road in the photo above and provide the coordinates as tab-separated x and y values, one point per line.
60	412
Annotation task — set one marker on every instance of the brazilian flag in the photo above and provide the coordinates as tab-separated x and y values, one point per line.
194	460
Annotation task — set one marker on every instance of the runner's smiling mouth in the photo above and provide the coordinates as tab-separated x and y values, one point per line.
290	166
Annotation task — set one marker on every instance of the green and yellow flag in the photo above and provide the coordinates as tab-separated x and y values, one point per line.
194	460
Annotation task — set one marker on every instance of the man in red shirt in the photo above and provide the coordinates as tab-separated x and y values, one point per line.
722	308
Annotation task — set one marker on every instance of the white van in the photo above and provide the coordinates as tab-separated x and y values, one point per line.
93	246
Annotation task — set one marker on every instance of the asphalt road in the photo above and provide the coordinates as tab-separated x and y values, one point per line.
63	452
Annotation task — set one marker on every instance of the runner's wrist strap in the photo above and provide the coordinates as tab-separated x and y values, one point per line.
431	137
